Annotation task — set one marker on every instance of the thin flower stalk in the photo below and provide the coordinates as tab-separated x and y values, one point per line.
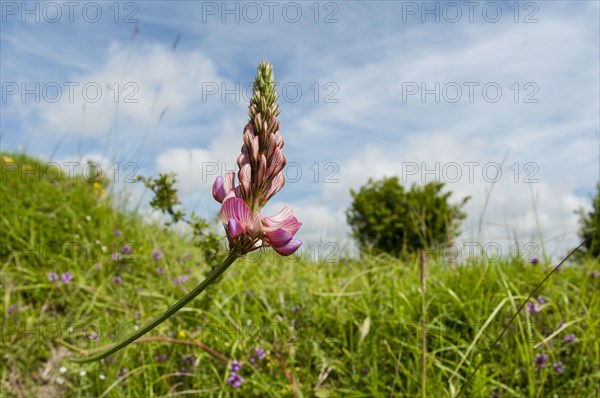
260	177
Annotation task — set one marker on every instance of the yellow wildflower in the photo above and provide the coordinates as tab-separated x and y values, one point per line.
98	188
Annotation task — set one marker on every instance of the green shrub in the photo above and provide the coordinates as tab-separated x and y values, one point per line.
590	226
385	218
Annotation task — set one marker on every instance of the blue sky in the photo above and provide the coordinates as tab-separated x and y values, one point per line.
367	89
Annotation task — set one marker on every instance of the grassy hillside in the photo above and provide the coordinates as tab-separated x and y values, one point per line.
345	328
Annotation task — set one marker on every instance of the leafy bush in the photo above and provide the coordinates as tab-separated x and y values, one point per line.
165	199
590	226
385	218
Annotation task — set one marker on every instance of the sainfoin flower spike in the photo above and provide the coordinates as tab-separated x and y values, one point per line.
260	177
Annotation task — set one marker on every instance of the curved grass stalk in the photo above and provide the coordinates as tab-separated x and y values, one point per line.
510	321
210	279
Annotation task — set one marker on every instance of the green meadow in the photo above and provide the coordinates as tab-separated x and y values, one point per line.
78	274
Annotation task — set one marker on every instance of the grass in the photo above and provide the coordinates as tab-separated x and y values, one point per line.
349	328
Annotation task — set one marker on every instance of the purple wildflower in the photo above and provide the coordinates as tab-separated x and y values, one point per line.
118	280
118	233
235	380
181	279
296	308
534	261
122	373
66	277
126	249
541	359
116	256
157	255
558	367
189	359
52	276
98	267
260	353
12	308
161	358
235	365
93	336
540	300
364	371
160	270
570	337
533	307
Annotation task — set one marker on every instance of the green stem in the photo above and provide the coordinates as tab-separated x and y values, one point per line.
214	274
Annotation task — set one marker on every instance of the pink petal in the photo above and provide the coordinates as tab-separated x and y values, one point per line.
271	146
245	176
290	248
279	237
278	218
258	244
283	220
254	148
241	160
276	185
248	135
222	187
277	162
234	228
262	169
254	225
237	209
279	139
218	190
231	194
229	182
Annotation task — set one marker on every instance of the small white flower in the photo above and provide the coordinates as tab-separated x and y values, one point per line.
97	241
104	249
88	218
101	376
60	380
82	373
62	369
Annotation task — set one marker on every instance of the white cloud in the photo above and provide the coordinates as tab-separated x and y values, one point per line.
197	168
132	86
371	131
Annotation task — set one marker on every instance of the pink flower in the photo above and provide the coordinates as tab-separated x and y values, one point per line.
260	176
279	231
240	223
224	188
